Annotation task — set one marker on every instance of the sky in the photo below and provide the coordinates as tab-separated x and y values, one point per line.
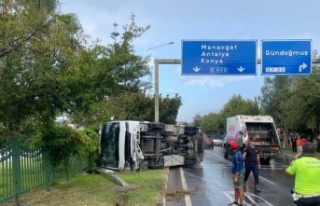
218	20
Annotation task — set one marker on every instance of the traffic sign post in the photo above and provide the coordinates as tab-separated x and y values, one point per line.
286	57
211	57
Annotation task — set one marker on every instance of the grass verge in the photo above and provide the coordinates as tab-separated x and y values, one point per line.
145	189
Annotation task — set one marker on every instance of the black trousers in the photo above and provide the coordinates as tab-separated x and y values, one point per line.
251	167
310	201
294	148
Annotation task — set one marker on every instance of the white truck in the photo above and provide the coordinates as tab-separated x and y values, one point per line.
139	145
241	128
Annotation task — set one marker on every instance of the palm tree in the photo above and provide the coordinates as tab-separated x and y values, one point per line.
31	18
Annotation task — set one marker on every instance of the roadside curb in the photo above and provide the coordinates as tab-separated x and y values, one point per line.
163	201
290	153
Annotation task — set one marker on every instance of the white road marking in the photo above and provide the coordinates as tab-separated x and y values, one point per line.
264	179
229	196
185	188
248	195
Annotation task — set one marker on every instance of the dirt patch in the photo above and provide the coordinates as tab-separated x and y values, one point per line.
122	196
178	194
123	189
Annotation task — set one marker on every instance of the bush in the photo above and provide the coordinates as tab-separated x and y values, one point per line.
63	142
92	146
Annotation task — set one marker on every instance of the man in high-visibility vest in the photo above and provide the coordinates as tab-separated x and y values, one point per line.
306	171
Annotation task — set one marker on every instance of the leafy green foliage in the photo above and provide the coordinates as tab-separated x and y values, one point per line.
139	106
91	146
47	69
302	110
197	120
63	142
215	123
275	92
169	108
38	48
237	105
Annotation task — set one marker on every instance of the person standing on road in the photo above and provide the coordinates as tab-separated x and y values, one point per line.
237	172
299	144
304	140
306	171
252	163
294	144
315	142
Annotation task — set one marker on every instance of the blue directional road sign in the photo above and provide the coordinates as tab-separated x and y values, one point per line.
225	57
286	57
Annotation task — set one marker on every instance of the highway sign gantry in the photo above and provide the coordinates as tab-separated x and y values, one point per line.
216	57
286	57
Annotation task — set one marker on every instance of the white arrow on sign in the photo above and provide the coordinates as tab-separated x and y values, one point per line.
196	69
302	66
241	69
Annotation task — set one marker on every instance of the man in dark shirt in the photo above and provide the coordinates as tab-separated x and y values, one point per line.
293	144
252	163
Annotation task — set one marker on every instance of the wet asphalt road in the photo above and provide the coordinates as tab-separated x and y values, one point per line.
210	183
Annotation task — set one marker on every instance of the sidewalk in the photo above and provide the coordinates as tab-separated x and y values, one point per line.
291	154
287	152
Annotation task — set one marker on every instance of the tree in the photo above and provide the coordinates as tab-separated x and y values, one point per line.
292	101
301	110
212	124
169	108
216	122
37	48
237	105
118	74
38	51
131	106
127	68
48	69
21	21
274	92
197	120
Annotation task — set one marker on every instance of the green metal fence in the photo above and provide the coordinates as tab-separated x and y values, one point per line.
24	167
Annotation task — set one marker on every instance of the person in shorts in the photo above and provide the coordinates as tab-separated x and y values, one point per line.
237	170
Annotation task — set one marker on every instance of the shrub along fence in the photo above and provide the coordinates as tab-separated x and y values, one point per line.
24	168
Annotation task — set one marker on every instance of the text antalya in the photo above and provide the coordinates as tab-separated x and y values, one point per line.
214	54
